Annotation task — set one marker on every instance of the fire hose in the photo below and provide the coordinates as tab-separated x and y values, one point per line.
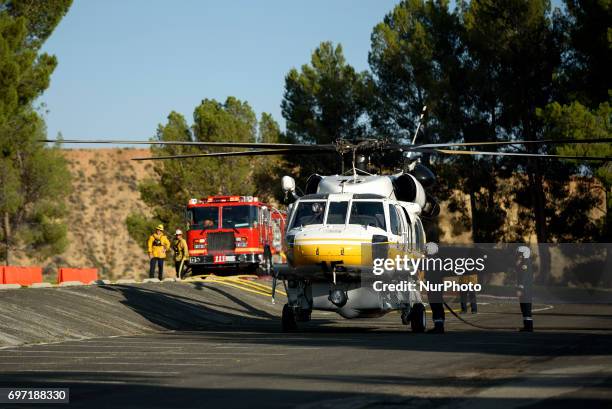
471	324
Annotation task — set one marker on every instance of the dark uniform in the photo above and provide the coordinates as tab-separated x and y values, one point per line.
468	295
524	288
436	302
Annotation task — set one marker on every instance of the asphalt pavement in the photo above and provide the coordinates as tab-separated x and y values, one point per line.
332	362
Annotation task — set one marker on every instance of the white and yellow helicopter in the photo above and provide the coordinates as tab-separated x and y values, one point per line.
343	222
335	234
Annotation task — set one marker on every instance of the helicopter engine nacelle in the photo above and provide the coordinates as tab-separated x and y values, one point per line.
408	189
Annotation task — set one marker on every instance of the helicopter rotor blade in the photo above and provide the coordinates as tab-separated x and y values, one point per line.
520	154
205	144
342	146
241	153
503	143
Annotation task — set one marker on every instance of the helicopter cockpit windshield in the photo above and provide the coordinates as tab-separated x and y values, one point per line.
368	214
337	212
359	212
308	213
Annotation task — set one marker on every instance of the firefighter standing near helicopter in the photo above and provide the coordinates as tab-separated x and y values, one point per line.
435	298
436	302
181	253
157	245
524	284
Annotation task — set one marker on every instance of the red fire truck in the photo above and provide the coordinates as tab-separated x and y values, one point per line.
233	233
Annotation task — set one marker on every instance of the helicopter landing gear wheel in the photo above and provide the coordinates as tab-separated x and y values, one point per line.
418	318
288	320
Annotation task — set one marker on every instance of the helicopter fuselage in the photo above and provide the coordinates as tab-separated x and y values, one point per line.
334	236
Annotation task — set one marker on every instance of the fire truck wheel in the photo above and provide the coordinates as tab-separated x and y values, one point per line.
288	321
251	269
195	271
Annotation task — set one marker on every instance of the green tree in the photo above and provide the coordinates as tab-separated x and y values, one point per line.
268	170
41	17
174	182
585	74
482	70
415	61
578	122
419	57
269	131
517	41
34	178
324	101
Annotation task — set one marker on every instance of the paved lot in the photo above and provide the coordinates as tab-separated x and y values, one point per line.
335	363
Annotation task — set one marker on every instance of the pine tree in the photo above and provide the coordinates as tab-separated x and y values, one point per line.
34	179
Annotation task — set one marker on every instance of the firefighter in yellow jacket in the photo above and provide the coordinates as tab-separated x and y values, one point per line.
181	253
158	245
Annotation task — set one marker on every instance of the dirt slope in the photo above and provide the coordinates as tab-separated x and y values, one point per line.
105	191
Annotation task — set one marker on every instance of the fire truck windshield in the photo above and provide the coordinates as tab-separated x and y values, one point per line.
205	217
239	216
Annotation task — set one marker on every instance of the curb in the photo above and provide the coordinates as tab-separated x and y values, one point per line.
41	285
126	281
70	284
99	282
9	286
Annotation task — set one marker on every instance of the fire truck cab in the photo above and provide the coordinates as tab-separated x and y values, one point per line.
233	232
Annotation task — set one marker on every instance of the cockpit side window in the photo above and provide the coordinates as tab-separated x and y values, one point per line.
337	212
420	235
408	228
394	221
309	213
368	214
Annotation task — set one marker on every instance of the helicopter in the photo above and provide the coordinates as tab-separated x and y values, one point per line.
341	223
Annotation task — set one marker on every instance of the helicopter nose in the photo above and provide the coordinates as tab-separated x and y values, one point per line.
309	250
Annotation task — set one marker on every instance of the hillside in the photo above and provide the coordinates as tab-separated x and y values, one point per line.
105	191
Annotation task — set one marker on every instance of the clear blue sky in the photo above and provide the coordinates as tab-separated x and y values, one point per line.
124	65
